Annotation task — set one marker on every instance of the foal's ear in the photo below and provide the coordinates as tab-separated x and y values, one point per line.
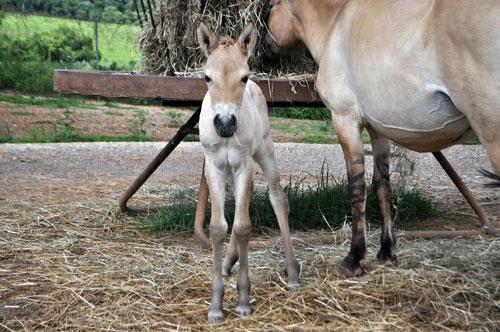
206	38
248	39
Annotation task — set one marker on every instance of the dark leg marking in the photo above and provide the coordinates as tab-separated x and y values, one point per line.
357	194
382	188
386	252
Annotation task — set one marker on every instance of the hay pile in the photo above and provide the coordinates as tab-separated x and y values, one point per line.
81	265
172	48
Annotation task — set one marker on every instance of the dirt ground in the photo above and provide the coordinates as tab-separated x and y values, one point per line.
112	119
70	260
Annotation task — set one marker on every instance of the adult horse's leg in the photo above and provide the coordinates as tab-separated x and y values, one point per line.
241	231
279	201
382	188
348	130
218	229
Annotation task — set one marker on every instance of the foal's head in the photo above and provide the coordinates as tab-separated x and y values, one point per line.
226	73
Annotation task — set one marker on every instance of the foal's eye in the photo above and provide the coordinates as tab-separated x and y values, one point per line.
208	79
244	79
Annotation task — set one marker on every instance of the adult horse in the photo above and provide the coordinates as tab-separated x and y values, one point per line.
424	74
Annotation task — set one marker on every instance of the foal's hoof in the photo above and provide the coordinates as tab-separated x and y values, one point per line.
293	286
348	268
243	310
384	257
293	276
215	316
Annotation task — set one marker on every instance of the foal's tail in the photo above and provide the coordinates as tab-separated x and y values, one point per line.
492	176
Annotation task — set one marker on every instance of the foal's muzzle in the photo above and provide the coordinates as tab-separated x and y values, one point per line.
225	126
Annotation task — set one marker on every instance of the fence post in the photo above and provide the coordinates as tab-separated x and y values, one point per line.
96	30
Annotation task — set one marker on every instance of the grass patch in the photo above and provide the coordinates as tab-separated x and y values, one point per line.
41	135
474	140
64	132
309	113
322	205
307	131
320	139
45	102
22	113
114	113
191	138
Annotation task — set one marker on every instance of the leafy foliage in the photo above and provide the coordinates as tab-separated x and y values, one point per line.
31	47
62	45
29	62
301	113
112	11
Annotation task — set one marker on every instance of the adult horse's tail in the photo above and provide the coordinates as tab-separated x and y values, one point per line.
492	176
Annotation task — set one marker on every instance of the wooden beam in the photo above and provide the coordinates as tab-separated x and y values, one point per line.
174	90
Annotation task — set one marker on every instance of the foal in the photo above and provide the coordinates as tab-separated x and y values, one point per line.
234	131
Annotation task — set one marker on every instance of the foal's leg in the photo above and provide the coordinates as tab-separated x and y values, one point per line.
232	252
218	229
349	133
231	256
382	187
266	161
241	231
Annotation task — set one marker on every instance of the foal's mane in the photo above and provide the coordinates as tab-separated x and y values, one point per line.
223	42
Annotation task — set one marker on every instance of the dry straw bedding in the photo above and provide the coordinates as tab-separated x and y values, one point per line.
172	48
85	267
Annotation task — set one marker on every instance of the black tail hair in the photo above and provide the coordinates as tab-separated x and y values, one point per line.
492	176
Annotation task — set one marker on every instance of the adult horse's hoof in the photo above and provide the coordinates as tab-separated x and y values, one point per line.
384	257
243	310
348	268
215	316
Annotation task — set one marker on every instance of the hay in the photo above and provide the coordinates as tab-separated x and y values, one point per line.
83	266
172	48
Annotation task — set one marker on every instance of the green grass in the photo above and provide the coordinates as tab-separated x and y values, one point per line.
317	132
116	42
309	113
114	113
474	140
45	102
41	135
64	132
319	139
22	113
322	205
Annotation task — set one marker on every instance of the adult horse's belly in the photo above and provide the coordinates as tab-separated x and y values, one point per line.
421	121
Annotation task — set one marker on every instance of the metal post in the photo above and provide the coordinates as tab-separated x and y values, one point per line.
96	30
462	187
137	11
187	128
144	11
151	15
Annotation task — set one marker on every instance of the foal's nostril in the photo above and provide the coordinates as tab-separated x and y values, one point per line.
217	122
225	126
